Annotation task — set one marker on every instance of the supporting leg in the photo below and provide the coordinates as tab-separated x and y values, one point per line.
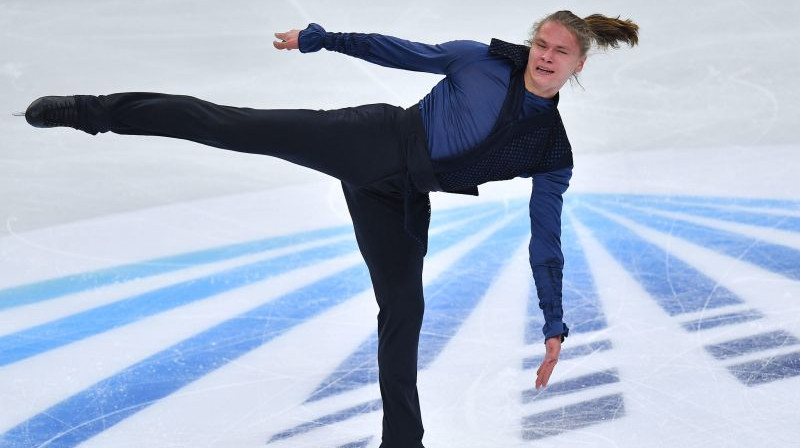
395	260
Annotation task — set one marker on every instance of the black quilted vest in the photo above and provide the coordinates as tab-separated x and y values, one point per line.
514	147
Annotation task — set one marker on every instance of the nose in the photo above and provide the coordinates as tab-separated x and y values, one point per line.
546	55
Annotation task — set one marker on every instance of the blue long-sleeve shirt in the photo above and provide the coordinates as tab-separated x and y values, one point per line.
458	114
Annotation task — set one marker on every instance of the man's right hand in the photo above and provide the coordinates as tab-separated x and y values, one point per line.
288	40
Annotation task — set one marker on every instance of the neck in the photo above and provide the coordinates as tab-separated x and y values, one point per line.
530	87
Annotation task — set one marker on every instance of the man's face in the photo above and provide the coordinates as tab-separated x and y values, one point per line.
555	56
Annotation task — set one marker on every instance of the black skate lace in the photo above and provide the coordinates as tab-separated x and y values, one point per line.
62	114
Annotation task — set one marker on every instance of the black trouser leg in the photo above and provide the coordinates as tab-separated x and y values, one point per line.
394	259
360	145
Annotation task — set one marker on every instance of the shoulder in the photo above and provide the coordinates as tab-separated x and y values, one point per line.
466	48
473	55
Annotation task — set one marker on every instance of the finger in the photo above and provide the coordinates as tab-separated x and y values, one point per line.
281	36
543	376
282	45
544	372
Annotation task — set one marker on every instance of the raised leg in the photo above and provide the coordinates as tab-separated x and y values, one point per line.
359	145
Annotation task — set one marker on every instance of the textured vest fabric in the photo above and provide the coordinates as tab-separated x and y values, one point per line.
514	147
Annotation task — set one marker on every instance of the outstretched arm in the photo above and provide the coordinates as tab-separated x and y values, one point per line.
383	50
547	261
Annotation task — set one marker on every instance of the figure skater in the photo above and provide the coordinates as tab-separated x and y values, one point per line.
493	117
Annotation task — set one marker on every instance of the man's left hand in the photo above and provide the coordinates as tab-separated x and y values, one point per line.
552	350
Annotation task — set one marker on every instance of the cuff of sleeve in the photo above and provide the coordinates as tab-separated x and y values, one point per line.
552	329
312	38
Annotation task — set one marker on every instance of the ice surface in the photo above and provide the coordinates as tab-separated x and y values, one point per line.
158	293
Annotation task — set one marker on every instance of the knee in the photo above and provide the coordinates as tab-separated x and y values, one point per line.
401	298
402	318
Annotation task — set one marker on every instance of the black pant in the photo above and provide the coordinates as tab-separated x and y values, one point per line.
366	147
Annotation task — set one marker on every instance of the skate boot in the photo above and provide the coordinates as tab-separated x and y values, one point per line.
53	111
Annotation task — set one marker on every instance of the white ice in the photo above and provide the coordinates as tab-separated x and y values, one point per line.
704	109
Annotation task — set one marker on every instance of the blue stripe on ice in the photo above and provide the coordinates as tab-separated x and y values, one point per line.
780	259
786	204
582	310
571	386
708	322
110	401
448	301
71	284
752	343
771	220
33	341
361	367
358	444
767	370
570	352
57	287
336	417
677	287
571	417
451	298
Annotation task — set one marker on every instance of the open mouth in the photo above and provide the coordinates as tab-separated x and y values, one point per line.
540	69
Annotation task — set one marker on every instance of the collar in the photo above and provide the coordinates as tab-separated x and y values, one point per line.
518	54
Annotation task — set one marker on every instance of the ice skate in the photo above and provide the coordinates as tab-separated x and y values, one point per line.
53	111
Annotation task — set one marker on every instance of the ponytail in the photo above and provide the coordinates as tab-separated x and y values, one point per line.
609	32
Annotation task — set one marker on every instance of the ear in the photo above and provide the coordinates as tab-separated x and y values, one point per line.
579	67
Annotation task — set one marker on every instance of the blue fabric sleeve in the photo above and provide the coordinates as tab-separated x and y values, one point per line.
391	51
546	258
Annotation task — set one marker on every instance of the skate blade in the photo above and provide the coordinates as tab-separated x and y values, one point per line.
18	114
